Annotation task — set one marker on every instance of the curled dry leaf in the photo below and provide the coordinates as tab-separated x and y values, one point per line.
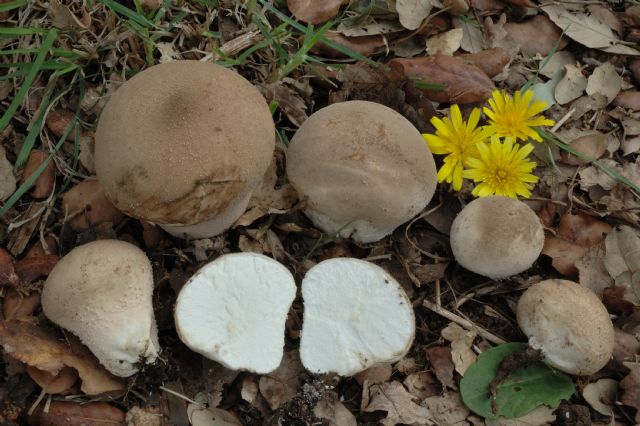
571	86
62	413
16	305
629	99
631	388
445	43
289	101
461	341
377	374
547	35
412	12
463	83
330	408
280	386
592	271
58	121
7	179
626	347
54	383
393	398
44	183
313	11
421	384
592	145
440	359
85	205
491	61
199	415
29	269
622	260
364	45
447	409
40	349
601	395
604	81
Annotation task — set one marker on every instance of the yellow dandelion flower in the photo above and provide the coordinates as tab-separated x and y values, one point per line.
517	116
502	169
456	139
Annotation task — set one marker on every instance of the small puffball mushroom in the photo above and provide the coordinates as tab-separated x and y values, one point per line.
101	292
183	145
362	168
355	316
496	237
233	310
569	324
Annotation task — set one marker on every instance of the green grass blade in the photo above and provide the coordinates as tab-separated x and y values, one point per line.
120	9
28	80
13	32
5	7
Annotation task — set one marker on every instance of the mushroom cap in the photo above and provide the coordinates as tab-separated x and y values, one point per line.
182	141
356	315
569	324
496	237
233	310
362	167
102	292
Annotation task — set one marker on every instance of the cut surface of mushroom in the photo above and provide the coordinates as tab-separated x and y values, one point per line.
569	324
184	143
362	168
102	292
496	237
356	315
233	310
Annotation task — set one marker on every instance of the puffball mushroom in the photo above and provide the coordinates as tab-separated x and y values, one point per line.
569	324
496	237
183	145
363	169
101	292
355	316
233	311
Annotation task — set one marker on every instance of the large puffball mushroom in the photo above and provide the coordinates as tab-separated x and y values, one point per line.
355	316
102	292
183	145
362	168
569	324
496	237
233	310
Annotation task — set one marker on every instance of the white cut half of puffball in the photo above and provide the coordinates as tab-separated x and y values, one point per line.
233	310
355	316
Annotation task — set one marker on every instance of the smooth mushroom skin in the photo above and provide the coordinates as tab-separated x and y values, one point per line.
356	315
569	324
184	143
362	168
496	237
233	310
102	292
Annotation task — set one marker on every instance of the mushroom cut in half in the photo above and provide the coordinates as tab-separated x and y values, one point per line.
102	292
569	324
183	145
496	237
355	316
362	168
233	311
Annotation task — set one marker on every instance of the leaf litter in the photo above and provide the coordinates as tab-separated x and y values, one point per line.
581	59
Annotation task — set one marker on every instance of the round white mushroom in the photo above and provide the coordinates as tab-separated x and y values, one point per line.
355	316
183	145
362	168
233	310
496	237
569	324
102	292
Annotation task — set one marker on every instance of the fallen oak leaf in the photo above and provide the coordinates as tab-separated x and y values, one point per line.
399	404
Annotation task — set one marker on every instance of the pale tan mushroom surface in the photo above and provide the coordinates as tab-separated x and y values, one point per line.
184	143
102	292
496	237
361	168
569	324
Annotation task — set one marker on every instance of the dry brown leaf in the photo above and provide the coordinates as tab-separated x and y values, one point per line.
44	183
556	63
376	28
440	359
606	16
491	61
421	384
17	306
280	386
592	144
365	45
314	12
37	348
626	347
393	398
542	415
7	179
592	271
7	269
472	38
144	416
289	101
199	415
571	86
604	81
447	409
374	375
461	341
412	12
29	269
249	389
54	383
445	43
592	176
631	388
463	83
57	122
456	7
601	395
622	260
331	409
629	99
546	37
77	414
86	205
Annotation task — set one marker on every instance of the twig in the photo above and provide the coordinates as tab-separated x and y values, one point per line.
179	395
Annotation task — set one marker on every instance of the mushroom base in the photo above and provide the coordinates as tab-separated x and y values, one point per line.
211	227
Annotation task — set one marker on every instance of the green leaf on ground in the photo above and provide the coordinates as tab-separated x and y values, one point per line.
521	392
